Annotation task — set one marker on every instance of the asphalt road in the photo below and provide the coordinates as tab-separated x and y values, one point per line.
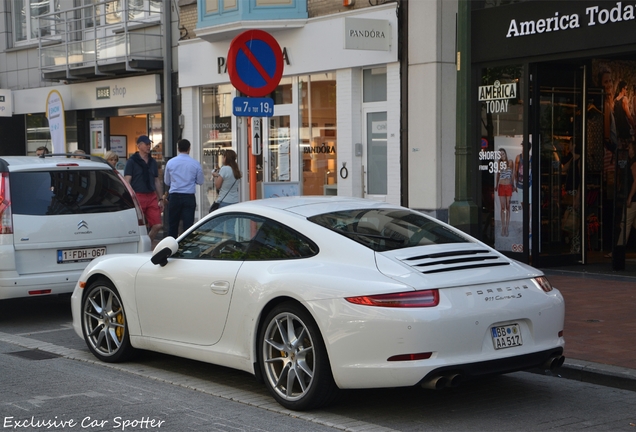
47	374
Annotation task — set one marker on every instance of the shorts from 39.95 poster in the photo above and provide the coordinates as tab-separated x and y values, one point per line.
504	190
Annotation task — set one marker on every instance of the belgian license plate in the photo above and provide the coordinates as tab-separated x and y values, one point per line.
79	255
506	336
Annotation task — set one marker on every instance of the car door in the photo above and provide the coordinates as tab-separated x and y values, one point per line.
188	299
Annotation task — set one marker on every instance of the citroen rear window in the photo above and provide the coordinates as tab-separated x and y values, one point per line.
62	192
388	229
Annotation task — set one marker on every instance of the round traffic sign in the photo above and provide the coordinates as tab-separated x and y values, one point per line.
255	63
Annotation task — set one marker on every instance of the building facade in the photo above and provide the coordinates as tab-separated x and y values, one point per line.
554	119
103	61
335	128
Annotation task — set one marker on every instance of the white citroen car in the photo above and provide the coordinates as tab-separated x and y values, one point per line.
316	294
58	213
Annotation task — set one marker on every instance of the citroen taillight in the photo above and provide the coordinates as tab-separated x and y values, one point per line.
6	223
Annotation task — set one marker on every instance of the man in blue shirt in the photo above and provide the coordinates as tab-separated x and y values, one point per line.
182	174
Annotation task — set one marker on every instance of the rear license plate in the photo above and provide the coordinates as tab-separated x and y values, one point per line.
506	336
79	255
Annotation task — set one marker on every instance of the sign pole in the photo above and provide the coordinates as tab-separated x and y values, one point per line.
251	160
255	67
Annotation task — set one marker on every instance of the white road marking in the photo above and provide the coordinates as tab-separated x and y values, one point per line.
224	391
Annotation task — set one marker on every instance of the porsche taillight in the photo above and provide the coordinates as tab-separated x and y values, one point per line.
544	283
6	222
410	299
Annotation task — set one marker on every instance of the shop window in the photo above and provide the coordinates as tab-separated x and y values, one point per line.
25	17
218	6
111	12
500	157
274	2
317	133
484	4
39	134
216	134
374	85
377	157
282	95
217	12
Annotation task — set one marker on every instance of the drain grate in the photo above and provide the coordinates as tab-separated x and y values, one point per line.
34	354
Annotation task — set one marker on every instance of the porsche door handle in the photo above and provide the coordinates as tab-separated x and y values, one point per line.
220	287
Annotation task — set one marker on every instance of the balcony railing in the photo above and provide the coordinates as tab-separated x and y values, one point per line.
105	38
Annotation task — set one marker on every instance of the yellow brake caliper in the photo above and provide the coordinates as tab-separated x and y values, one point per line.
120	330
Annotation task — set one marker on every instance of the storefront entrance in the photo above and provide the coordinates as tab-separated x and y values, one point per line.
584	124
554	174
562	170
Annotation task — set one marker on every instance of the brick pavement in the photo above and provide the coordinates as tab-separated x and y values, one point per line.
600	318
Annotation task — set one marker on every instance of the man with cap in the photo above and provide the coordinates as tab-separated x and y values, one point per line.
142	173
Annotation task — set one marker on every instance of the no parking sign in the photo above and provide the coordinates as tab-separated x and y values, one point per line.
255	63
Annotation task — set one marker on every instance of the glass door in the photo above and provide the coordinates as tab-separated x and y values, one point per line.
560	115
376	166
280	151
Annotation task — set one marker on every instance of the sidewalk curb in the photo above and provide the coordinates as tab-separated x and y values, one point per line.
598	373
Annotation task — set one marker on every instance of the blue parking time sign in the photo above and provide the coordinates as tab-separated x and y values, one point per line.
253	107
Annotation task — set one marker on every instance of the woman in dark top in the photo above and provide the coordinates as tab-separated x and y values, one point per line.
624	121
630	217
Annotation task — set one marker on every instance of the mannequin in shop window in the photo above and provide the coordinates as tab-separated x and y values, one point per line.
625	125
609	124
571	220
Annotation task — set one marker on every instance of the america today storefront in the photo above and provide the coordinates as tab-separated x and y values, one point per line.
554	101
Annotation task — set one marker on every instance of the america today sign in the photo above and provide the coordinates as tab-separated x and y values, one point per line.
594	15
497	96
551	27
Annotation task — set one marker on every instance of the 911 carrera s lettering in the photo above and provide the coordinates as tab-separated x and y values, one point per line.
508	297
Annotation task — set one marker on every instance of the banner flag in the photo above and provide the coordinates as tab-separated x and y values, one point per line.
57	126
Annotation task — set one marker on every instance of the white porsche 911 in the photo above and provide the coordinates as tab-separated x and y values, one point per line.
316	294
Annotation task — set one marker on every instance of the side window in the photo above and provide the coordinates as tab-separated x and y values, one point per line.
275	241
225	237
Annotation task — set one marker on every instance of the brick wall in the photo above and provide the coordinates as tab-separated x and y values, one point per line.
188	21
316	8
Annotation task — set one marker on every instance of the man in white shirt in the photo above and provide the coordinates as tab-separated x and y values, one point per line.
181	175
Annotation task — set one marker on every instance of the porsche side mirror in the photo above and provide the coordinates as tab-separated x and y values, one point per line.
164	250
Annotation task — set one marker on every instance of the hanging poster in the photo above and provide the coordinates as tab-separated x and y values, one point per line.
118	144
280	189
57	126
97	137
508	196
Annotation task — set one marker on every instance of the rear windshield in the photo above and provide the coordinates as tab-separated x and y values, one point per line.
388	229
42	193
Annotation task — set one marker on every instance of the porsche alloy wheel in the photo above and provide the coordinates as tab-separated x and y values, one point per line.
294	360
104	323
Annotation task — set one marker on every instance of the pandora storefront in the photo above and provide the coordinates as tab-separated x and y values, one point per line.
555	103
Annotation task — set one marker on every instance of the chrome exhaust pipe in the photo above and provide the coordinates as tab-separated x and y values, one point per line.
454	380
435	383
553	363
